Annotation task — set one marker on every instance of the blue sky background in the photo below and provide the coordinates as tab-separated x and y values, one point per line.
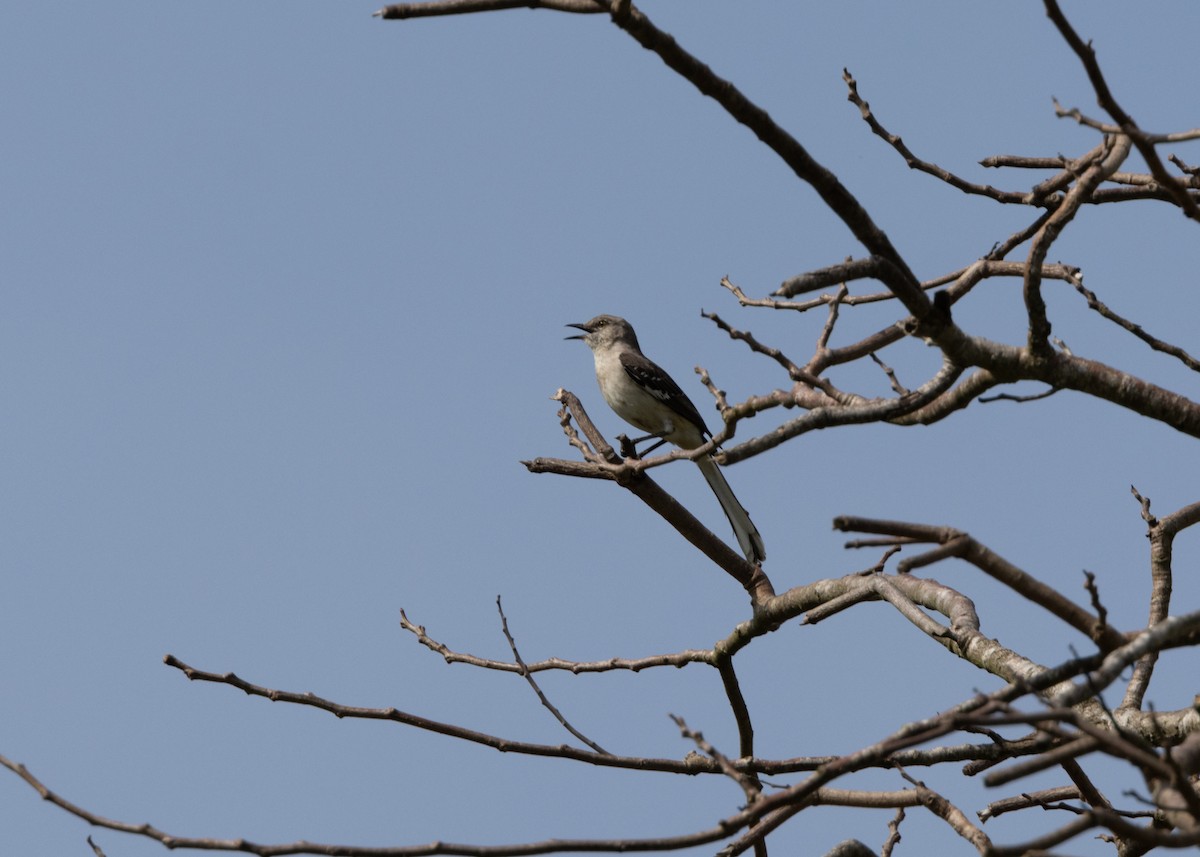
283	294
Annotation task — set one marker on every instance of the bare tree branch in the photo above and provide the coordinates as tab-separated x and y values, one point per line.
1039	326
435	8
955	543
395	715
1042	717
549	846
1137	330
676	659
1104	96
1162	538
749	785
546	703
630	475
1028	799
894	272
916	163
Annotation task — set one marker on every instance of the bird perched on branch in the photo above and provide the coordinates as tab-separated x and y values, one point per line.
645	396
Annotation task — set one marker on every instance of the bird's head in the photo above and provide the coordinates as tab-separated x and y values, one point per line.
605	330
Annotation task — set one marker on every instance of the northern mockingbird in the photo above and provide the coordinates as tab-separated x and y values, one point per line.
645	396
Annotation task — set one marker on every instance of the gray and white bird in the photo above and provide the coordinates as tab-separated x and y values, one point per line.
645	396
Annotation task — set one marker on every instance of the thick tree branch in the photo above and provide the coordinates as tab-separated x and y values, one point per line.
877	410
955	543
1010	364
894	272
631	476
1085	185
1162	541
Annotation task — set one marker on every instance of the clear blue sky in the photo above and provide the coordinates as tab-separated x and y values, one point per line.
283	294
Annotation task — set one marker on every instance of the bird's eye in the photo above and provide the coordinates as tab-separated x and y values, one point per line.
601	323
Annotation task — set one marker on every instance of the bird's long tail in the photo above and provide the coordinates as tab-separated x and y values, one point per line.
747	534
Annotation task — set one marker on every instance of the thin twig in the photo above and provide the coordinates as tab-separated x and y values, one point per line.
1137	330
794	371
1064	213
750	786
894	837
546	703
395	715
921	165
433	8
677	660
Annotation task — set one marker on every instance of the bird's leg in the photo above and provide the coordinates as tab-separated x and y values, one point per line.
629	447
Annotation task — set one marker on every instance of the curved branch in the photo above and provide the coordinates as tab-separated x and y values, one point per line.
954	399
1161	533
1104	97
822	278
879	410
956	543
1171	631
1009	363
894	272
1039	327
737	702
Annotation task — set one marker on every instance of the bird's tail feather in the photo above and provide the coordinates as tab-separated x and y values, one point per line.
743	528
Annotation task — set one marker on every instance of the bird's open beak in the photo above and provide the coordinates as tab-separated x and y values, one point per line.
582	327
